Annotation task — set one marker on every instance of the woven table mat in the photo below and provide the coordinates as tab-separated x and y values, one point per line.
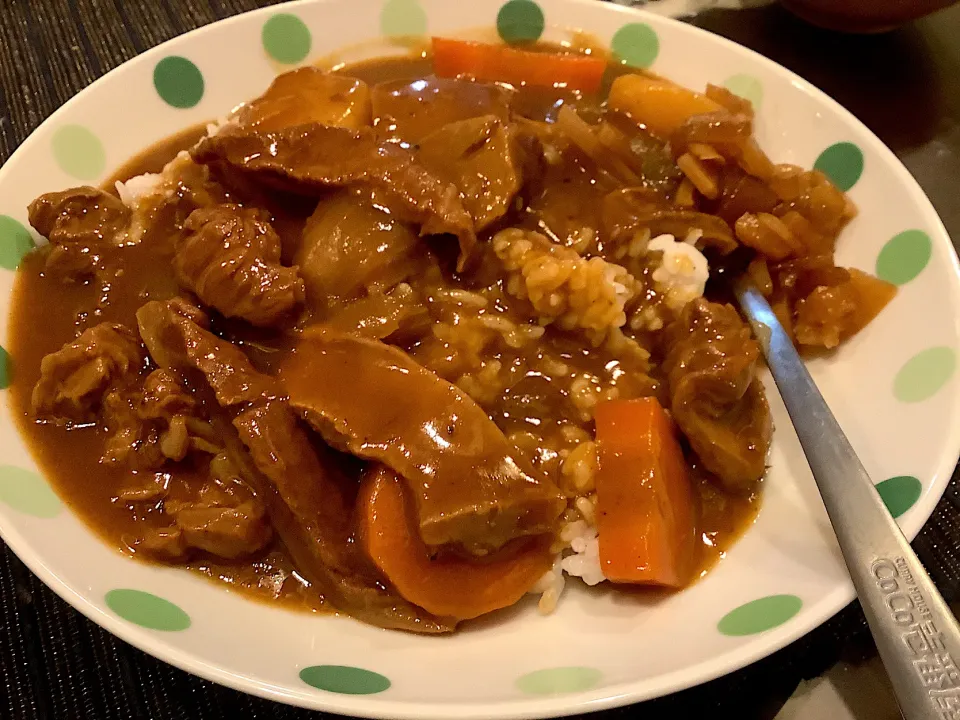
56	664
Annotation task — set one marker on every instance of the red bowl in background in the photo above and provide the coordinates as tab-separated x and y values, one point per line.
863	15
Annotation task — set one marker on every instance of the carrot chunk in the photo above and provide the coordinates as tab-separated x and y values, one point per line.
447	586
646	512
502	63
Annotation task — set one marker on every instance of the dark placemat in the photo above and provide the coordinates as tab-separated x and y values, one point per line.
55	664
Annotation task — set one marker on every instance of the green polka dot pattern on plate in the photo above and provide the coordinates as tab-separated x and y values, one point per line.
286	38
636	44
554	681
747	87
520	21
79	152
344	679
403	18
5	369
924	374
904	256
147	610
842	163
15	242
759	615
178	82
899	493
26	492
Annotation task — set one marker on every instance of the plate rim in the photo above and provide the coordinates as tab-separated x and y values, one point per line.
606	697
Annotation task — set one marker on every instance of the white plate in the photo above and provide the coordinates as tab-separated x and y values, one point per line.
893	389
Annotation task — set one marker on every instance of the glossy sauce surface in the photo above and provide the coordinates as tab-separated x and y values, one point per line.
70	458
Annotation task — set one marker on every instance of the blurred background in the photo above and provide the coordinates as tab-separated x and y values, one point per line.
890	62
855	16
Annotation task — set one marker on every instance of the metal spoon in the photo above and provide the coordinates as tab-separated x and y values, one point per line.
916	634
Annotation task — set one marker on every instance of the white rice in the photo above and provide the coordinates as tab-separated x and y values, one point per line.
137	188
680	277
683	271
140	191
549	587
580	558
584	561
219	124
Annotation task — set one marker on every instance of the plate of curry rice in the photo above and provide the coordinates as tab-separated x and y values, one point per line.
378	357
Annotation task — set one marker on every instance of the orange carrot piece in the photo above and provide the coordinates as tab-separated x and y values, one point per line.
501	63
659	105
645	501
447	586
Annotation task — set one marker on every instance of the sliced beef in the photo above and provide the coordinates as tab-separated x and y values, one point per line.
308	95
83	226
351	247
313	519
715	397
410	111
482	156
74	379
230	257
309	159
303	496
470	486
176	341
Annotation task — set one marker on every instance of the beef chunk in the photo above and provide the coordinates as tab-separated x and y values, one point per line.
372	399
715	396
83	226
306	95
74	379
146	426
310	513
230	257
223	530
309	159
305	501
130	440
223	518
164	397
410	111
482	157
166	544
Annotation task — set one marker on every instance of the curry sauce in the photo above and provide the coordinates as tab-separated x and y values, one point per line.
478	327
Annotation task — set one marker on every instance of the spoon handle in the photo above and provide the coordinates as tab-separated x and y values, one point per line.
916	634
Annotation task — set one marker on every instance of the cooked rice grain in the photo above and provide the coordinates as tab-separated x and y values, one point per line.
573	292
579	469
550	585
